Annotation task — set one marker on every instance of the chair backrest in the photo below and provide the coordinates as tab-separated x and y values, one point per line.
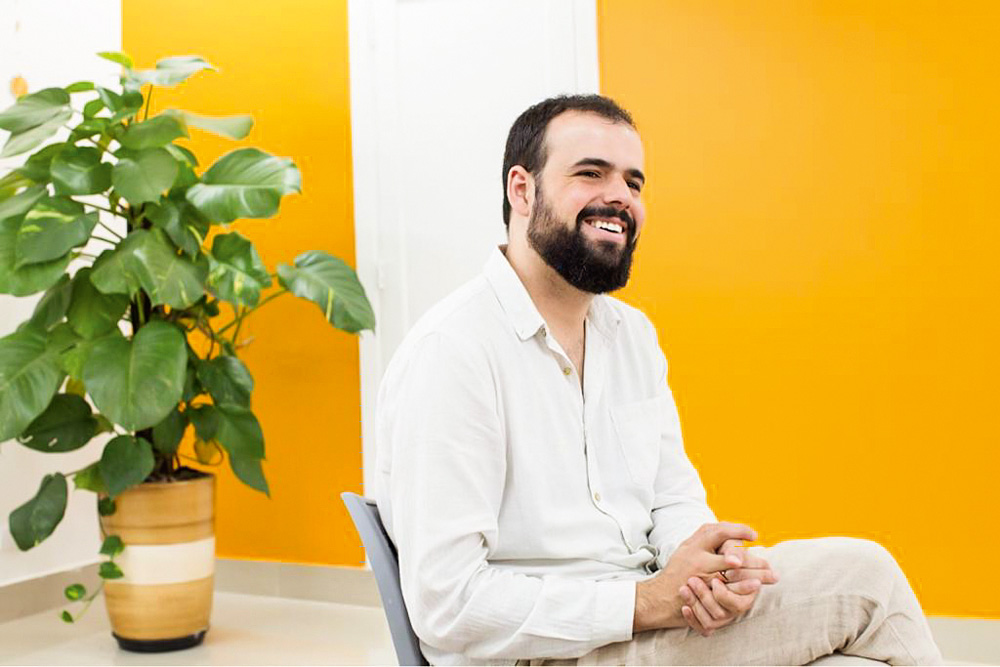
385	566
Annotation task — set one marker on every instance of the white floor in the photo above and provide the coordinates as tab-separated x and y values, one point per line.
246	630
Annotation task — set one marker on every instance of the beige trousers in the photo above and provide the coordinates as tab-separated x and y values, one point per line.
834	594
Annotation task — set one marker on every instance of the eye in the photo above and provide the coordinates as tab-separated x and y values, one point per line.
589	174
635	185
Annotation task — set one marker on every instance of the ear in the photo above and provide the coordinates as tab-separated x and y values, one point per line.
520	190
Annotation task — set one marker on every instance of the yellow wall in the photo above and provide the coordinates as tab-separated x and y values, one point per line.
820	261
285	62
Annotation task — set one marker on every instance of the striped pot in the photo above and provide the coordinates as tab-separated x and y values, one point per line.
164	601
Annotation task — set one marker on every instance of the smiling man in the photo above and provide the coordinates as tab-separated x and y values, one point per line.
531	470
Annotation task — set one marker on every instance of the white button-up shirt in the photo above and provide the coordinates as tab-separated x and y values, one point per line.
524	510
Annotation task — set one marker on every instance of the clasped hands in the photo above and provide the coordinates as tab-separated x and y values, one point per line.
709	581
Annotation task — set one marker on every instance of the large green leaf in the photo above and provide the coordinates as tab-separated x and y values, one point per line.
136	383
143	176
126	461
226	379
123	59
79	171
146	260
38	165
249	472
121	106
29	377
182	223
35	520
51	308
233	127
169	71
93	313
53	227
157	131
12	183
21	202
236	273
238	431
246	183
67	424
27	279
89	479
34	109
22	142
333	286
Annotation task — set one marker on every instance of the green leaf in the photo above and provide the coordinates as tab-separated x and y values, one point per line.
35	109
26	279
109	570
146	260
227	380
238	430
22	142
121	106
79	87
157	131
35	520
182	223
37	166
22	202
126	461
144	175
93	313
79	171
93	107
29	378
106	506
167	435
89	479
75	592
250	473
136	383
207	452
205	420
245	183
76	388
89	128
112	546
72	360
236	273
51	229
66	616
333	286
170	71
11	184
51	308
233	127
118	57
66	425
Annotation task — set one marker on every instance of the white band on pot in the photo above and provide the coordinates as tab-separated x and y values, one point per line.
167	563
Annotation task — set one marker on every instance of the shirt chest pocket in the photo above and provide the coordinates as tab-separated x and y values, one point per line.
637	429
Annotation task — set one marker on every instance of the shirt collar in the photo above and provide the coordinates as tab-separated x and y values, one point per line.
521	310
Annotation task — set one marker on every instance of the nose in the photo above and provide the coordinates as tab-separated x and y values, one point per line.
618	192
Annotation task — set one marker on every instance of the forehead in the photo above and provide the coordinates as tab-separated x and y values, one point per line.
575	135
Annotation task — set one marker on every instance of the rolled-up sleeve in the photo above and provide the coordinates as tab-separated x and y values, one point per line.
445	489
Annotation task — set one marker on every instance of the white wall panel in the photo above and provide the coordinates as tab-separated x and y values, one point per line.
435	86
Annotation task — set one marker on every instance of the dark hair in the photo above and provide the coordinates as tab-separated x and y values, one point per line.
526	139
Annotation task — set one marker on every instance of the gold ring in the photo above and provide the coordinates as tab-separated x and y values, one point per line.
724	577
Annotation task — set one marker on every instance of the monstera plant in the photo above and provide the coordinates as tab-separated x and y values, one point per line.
145	288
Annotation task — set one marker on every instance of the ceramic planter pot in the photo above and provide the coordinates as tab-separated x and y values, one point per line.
164	601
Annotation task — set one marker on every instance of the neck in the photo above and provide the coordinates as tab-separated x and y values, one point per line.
562	306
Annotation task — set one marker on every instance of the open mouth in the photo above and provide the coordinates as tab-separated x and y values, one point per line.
607	228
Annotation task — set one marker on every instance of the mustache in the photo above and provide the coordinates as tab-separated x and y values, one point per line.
606	212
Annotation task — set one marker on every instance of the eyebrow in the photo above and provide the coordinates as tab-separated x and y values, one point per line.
604	164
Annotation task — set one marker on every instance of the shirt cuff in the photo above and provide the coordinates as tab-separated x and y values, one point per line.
615	611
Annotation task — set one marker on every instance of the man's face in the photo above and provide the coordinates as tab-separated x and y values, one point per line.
587	212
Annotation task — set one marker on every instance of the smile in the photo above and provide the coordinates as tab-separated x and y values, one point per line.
605	225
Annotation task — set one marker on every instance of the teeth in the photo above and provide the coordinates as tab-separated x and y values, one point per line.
609	226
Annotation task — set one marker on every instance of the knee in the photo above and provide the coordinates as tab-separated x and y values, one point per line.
866	559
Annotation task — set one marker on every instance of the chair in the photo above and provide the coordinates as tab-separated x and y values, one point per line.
385	566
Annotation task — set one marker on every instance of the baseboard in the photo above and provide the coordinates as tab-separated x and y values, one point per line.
324	583
34	596
967	640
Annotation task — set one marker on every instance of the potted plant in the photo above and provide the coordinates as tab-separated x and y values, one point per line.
130	343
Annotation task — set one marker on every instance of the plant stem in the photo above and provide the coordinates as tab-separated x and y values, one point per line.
106	210
101	238
149	97
250	310
240	313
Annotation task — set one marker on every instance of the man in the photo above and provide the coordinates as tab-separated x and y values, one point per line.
531	471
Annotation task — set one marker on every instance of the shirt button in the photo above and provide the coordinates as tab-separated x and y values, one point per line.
597	496
567	371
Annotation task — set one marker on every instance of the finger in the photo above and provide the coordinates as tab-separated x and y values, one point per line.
728	545
707	598
767	576
692	620
733	603
703	616
745	587
713	535
710	563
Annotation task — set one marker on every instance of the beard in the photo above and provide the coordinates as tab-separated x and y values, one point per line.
590	266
